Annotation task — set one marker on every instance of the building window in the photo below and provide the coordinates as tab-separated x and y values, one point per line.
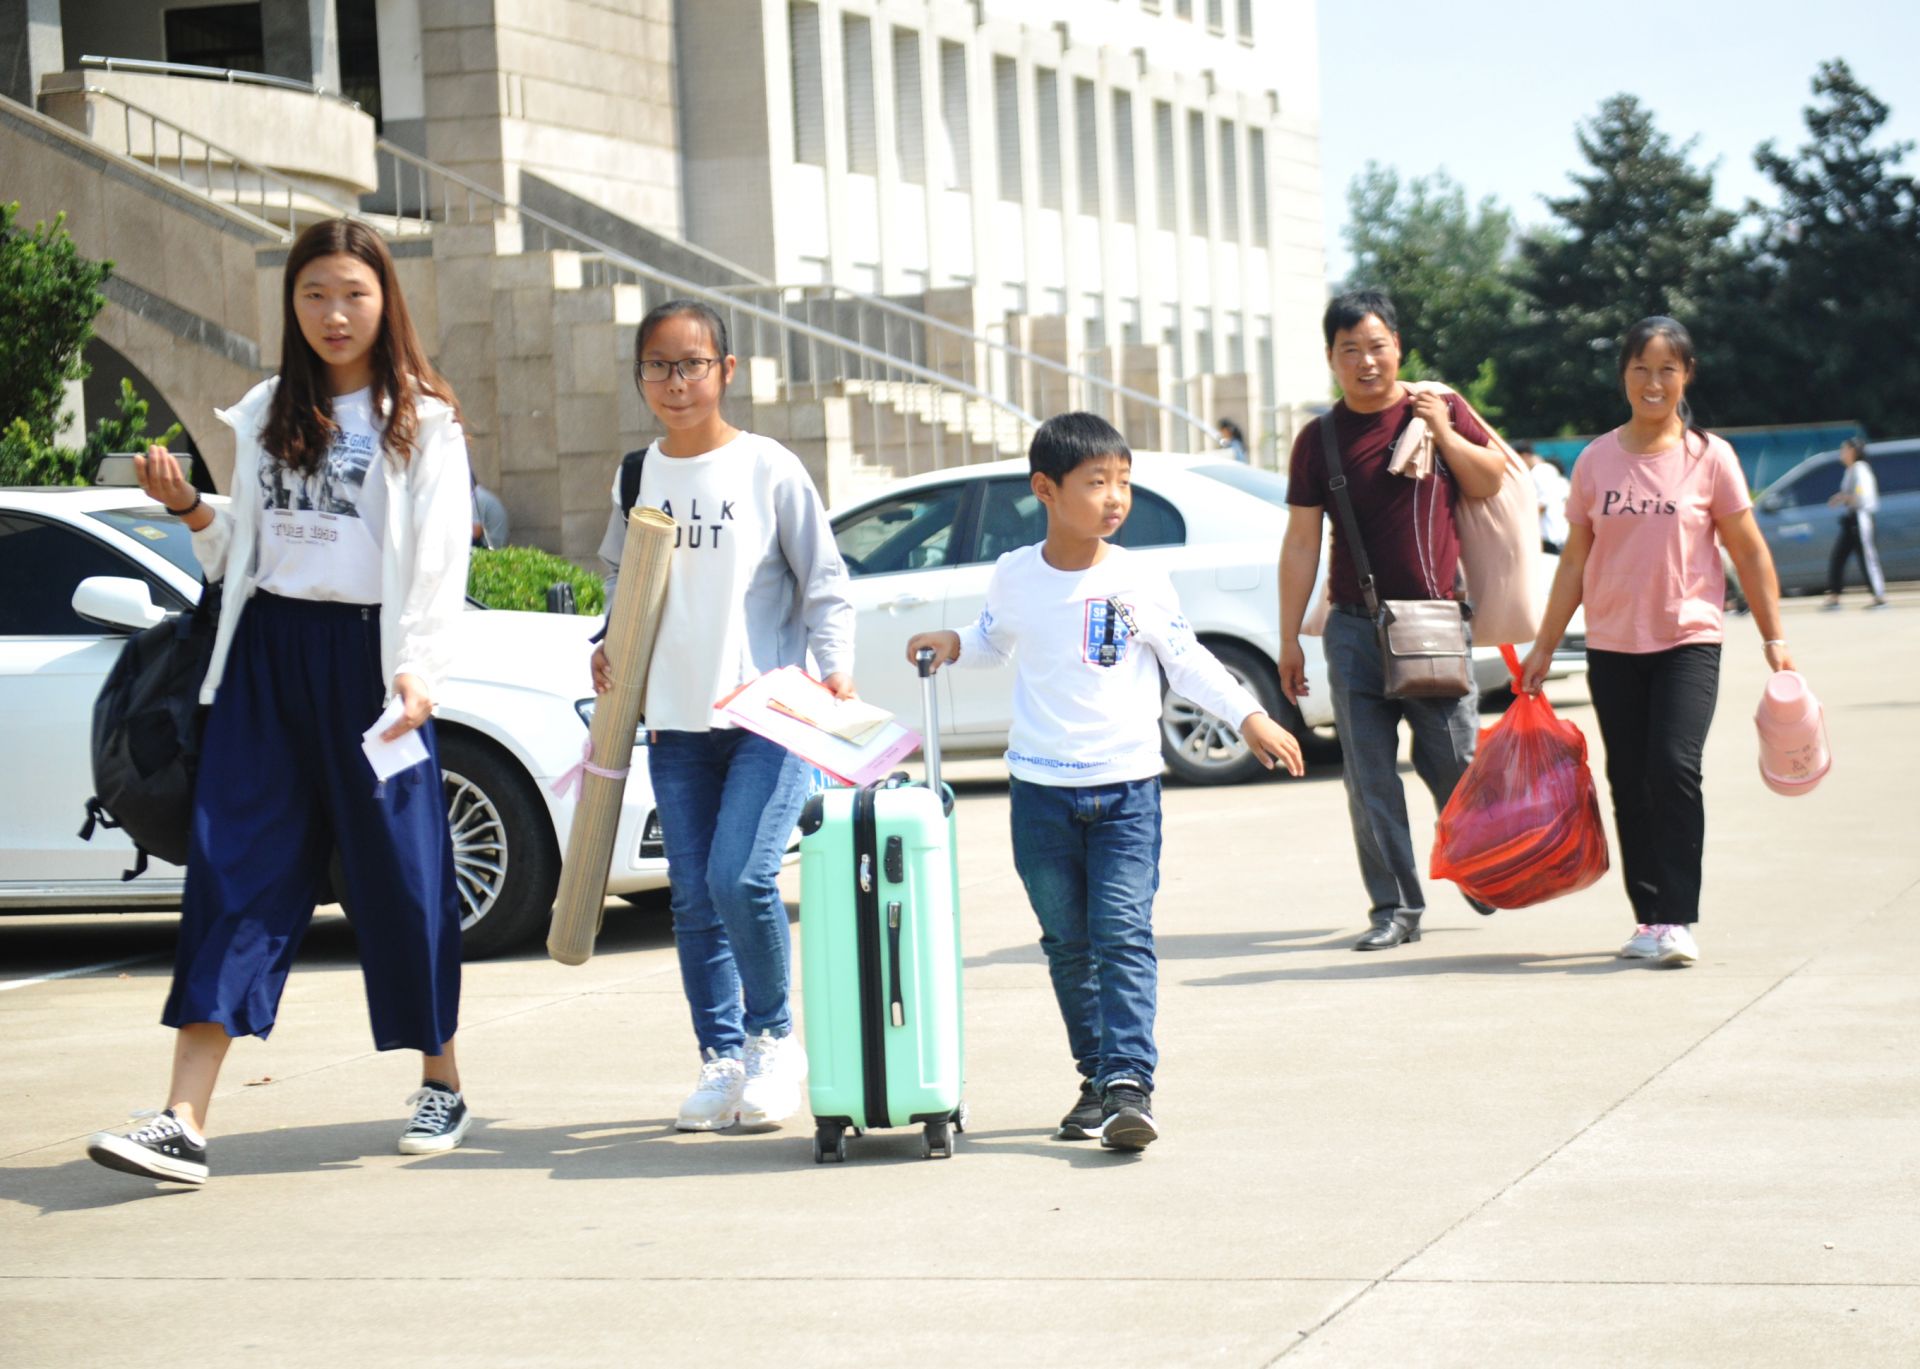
1183	8
1217	15
1229	183
1236	344
1203	344
1165	179
1197	171
1246	21
863	134
809	113
1006	125
225	36
1125	189
909	129
1046	100
953	117
1257	182
1086	135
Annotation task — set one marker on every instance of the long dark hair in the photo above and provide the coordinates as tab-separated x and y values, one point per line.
300	426
1676	336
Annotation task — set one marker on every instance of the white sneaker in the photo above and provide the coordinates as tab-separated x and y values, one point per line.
714	1103
1676	946
776	1070
1644	944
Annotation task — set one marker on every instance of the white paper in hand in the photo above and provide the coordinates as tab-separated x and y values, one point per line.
390	758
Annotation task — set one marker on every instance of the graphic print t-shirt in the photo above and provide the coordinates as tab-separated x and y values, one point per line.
321	534
1653	579
1087	648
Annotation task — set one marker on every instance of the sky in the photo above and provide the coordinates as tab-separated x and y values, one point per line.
1491	90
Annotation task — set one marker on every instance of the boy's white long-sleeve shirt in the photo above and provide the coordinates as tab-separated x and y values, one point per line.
1078	720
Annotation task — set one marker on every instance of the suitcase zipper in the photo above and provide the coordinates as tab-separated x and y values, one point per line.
873	1049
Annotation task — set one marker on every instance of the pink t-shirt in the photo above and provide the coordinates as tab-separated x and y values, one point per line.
1653	580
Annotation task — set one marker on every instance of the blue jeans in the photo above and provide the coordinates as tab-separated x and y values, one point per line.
1090	858
1444	731
728	801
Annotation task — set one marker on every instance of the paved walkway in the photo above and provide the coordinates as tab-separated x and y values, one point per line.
1498	1147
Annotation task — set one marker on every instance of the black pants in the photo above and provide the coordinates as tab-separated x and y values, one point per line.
1855	539
1654	710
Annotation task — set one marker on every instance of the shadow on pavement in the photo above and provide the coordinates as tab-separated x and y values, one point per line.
1176	946
1398	964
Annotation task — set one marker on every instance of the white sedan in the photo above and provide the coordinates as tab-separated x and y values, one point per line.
511	720
920	555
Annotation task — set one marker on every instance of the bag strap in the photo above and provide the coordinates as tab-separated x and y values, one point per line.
1337	486
630	465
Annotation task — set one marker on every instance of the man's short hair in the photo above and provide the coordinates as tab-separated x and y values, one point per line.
1523	447
1348	310
1069	440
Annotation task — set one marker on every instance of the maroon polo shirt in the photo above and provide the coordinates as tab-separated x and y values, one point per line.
1407	525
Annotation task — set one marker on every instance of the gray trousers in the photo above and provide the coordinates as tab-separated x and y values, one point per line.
1369	727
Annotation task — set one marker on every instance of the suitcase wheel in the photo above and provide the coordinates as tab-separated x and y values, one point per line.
829	1144
961	1116
936	1141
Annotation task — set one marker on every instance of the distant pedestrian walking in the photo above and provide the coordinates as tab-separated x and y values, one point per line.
1233	439
1858	501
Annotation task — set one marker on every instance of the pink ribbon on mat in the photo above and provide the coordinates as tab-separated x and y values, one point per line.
575	778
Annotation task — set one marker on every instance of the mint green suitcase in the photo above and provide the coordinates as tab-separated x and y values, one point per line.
880	959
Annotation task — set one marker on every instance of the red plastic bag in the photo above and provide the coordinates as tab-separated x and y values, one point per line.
1523	825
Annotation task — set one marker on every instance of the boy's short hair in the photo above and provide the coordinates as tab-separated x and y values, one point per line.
1348	311
1069	440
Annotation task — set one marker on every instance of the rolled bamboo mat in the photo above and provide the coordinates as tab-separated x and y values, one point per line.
631	629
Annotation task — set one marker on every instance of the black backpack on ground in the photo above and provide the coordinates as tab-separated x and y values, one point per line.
147	725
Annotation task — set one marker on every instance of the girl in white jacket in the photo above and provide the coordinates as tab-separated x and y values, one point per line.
342	560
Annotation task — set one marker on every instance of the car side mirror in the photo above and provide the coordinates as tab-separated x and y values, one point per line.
119	602
1772	503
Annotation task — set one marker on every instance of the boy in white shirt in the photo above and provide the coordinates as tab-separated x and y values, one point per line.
1090	626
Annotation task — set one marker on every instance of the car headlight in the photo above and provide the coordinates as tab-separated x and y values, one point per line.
584	707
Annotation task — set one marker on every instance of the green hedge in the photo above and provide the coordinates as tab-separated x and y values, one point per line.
517	577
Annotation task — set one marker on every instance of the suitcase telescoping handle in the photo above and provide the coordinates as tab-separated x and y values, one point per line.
930	745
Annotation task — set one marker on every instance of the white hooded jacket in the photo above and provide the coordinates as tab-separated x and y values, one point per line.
423	563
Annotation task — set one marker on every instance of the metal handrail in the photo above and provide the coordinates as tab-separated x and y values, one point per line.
231	75
552	230
1010	353
286	189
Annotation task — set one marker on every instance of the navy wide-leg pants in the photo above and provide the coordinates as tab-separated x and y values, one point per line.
282	783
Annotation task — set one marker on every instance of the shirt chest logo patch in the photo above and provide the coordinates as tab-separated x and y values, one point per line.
1628	503
1108	627
698	529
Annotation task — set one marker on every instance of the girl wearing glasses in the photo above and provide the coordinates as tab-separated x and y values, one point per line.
756	583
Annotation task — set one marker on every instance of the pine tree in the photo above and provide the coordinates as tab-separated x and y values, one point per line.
1842	256
1640	236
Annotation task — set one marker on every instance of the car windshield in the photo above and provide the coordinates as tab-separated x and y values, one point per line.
160	530
1248	480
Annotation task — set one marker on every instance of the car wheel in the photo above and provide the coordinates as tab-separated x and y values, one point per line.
506	862
1200	748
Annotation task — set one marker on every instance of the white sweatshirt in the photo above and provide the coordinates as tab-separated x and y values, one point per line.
757	580
1086	697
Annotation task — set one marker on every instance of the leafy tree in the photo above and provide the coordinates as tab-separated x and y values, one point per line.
52	294
1842	265
1444	266
1639	236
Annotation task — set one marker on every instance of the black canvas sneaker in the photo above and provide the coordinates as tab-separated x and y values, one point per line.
1128	1123
162	1149
440	1120
1082	1123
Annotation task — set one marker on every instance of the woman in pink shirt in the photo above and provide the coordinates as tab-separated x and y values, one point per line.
1647	501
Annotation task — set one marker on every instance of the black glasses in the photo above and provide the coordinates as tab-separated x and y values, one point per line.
690	368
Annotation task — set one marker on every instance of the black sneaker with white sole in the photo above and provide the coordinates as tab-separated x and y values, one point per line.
1128	1123
162	1149
440	1120
1082	1122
